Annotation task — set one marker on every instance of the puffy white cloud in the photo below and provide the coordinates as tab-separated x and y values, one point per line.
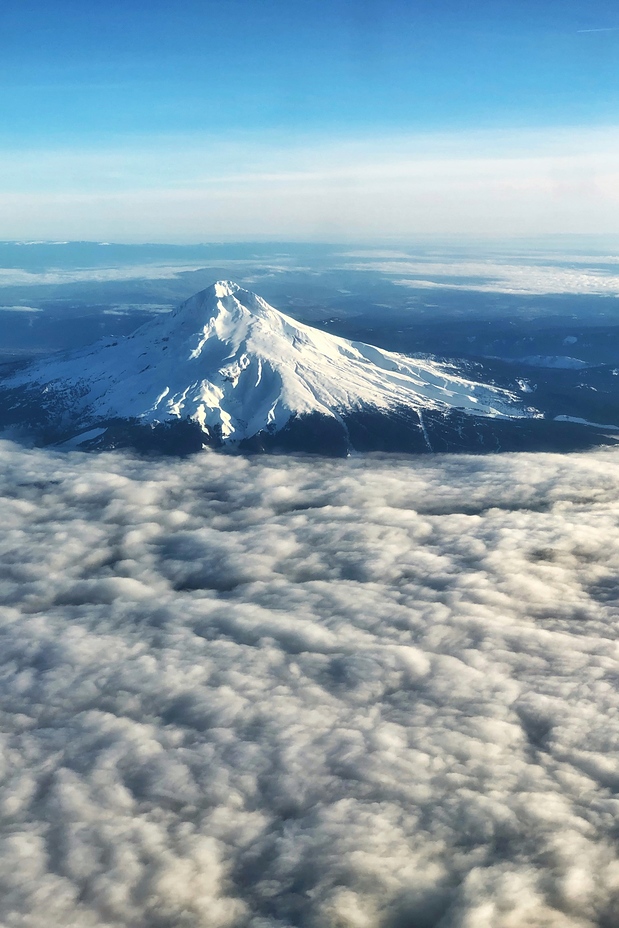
292	692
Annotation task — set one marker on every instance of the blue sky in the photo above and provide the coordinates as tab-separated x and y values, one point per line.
89	93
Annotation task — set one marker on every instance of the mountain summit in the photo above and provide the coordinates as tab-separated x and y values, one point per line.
236	370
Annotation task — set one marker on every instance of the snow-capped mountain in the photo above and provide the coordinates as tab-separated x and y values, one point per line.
235	368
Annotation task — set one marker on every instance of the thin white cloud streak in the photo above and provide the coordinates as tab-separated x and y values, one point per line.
495	277
272	692
533	255
12	276
20	309
503	183
15	276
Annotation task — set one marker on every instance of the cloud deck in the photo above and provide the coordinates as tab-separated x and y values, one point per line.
266	693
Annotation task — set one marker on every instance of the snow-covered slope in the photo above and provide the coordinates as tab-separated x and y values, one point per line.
231	363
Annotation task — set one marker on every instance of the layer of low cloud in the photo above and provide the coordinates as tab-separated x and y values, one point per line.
561	274
492	276
17	277
274	692
22	277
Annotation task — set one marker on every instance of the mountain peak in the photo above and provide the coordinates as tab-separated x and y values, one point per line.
223	299
224	288
220	290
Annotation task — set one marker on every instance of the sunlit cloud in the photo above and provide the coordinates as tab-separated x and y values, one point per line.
17	276
494	277
259	692
11	277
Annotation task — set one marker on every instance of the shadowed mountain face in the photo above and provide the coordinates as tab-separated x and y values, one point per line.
228	370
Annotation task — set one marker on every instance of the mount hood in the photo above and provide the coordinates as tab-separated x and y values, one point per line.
227	369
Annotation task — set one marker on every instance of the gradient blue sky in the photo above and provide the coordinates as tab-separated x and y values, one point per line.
199	116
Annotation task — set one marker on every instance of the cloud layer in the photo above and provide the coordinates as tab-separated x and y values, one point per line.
289	692
492	276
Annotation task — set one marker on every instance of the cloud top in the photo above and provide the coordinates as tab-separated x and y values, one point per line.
374	692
